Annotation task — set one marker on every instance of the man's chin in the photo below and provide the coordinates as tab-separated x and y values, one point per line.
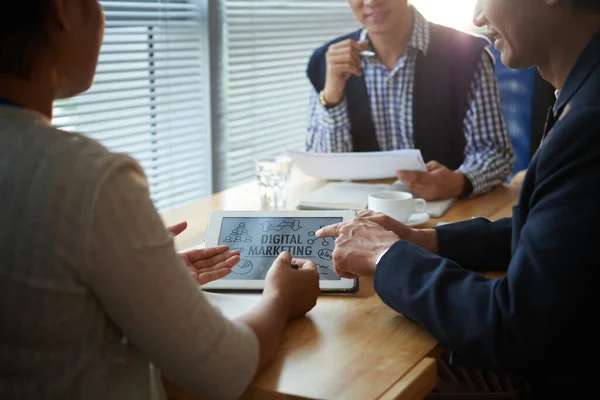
378	29
512	61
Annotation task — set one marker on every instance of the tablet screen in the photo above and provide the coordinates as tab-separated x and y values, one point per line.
261	239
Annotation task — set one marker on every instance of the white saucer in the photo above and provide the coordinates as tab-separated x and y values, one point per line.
417	219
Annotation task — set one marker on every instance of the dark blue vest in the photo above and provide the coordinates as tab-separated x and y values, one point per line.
442	82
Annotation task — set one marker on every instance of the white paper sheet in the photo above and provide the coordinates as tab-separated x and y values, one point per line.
357	166
233	305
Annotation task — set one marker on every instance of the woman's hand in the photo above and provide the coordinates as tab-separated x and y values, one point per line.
207	265
210	264
178	228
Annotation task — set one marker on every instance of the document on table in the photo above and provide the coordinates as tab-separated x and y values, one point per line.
357	166
355	195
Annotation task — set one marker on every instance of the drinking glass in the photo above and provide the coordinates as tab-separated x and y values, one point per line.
273	175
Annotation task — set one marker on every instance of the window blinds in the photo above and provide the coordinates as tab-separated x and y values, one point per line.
268	44
150	98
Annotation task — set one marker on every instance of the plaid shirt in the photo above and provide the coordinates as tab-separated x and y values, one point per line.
488	151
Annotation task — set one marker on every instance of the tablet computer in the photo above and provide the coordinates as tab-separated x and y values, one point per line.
260	236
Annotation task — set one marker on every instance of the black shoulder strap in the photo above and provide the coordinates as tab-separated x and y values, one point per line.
442	83
362	128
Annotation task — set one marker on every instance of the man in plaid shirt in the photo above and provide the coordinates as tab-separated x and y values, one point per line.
480	158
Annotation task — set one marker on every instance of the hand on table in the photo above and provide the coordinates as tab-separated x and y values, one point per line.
297	288
437	183
358	245
210	264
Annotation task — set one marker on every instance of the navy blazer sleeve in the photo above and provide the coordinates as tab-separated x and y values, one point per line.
540	315
488	243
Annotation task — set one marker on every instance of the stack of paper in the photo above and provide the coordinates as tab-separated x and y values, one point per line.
353	195
357	166
341	195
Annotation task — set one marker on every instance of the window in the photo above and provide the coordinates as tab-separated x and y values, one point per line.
150	98
195	123
455	14
265	89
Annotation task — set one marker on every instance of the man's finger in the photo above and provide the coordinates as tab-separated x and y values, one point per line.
409	177
346	68
343	274
423	192
343	45
363	45
417	187
412	178
343	55
329	230
378	219
366	213
352	43
433	165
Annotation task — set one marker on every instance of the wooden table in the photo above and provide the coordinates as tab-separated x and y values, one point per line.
349	346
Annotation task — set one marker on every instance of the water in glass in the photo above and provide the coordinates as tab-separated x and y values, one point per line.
273	174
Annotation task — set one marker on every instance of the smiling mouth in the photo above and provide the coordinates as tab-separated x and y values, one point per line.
493	33
378	15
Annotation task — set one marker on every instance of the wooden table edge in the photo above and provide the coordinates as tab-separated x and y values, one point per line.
416	384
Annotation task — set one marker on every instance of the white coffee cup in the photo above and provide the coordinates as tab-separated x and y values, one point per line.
398	205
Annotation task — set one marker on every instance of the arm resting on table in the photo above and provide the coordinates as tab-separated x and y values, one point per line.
539	318
477	244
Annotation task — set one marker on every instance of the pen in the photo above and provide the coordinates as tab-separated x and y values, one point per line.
367	53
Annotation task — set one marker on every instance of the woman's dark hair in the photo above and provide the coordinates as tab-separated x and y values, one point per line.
586	5
24	31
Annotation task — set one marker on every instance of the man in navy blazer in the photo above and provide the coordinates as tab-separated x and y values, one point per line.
537	323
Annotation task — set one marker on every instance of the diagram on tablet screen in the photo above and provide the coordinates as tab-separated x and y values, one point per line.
261	239
238	235
244	267
269	227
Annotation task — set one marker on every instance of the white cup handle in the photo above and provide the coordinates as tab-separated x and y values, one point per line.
419	206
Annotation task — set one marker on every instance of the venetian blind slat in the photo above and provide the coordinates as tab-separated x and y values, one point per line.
268	45
150	97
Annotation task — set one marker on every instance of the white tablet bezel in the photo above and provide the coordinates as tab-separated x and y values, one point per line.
212	239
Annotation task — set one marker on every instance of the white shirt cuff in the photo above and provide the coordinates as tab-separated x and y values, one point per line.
381	255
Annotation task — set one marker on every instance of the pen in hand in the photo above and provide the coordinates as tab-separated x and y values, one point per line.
367	53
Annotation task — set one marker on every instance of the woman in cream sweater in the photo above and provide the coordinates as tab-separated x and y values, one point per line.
94	301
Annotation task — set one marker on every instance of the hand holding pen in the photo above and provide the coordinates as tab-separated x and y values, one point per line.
296	290
343	60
